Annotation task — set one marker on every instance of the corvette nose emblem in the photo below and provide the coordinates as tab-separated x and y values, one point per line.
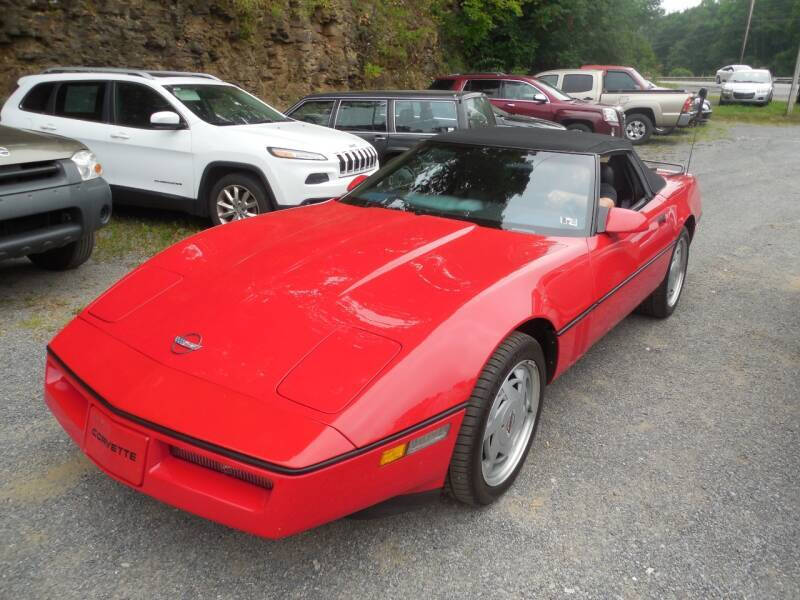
188	342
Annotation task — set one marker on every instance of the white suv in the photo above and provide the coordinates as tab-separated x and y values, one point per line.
189	141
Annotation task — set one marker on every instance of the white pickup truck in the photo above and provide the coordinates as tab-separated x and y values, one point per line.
645	109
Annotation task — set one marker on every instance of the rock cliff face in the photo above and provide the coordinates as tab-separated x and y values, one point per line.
278	49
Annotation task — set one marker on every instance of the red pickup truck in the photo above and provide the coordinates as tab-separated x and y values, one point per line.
523	95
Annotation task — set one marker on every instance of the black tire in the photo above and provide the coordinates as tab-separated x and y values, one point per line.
646	125
245	181
67	257
579	127
663	130
465	479
657	304
721	101
718	80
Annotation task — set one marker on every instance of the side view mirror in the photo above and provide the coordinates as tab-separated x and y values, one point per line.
622	220
166	119
539	98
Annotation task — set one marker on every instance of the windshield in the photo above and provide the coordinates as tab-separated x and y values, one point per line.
553	91
225	105
505	188
751	77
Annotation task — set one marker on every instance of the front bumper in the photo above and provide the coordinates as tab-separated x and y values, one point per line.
237	492
43	219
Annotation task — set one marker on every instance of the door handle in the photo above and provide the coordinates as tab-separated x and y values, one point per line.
379	138
47	127
510	104
120	136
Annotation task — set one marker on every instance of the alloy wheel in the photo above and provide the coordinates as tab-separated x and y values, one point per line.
677	272
510	423
236	202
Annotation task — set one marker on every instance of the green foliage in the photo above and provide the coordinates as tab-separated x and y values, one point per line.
680	72
706	37
372	71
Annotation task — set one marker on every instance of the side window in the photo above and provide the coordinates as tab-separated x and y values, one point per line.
135	103
490	87
619	81
317	112
38	98
361	115
424	116
81	100
479	112
575	84
518	90
626	181
441	84
551	80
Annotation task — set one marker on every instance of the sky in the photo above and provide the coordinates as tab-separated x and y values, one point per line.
675	5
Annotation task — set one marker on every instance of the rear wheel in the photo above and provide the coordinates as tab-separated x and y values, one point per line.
638	128
500	422
662	302
579	127
237	196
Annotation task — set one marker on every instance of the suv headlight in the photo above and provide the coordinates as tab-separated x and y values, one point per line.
87	164
610	115
296	154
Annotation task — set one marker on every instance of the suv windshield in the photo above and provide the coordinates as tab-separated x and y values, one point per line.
506	188
751	77
224	104
553	91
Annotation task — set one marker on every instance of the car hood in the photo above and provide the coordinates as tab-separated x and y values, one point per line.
343	287
297	135
28	146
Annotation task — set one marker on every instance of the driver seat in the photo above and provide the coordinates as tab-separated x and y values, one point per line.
607	189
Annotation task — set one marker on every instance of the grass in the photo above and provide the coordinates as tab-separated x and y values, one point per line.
140	233
773	113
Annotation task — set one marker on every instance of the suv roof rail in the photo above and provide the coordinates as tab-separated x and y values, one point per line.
478	73
135	72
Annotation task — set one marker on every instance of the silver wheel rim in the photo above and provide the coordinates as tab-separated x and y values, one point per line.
677	272
635	130
236	202
510	423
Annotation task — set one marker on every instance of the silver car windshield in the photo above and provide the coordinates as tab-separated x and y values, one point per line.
751	77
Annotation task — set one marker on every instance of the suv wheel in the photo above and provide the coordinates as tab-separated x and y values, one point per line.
579	127
67	257
237	196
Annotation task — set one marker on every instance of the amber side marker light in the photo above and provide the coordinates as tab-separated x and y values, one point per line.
397	452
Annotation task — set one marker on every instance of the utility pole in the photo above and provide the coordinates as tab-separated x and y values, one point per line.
794	86
747	30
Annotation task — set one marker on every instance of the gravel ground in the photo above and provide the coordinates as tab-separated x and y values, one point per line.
665	466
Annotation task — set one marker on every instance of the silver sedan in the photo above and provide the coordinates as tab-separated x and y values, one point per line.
750	87
725	72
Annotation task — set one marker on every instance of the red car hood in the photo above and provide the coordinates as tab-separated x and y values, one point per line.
266	292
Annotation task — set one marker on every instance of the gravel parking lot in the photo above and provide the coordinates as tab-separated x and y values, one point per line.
666	463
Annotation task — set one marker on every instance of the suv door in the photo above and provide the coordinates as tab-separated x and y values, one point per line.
366	119
417	120
520	97
143	156
80	111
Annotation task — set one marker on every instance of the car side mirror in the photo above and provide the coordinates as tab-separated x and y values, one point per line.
621	220
540	98
166	119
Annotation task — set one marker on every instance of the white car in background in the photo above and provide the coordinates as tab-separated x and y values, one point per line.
749	87
725	72
189	141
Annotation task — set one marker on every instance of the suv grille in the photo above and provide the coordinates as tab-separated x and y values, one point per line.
357	161
25	172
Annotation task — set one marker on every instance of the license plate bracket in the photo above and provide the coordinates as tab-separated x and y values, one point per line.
116	448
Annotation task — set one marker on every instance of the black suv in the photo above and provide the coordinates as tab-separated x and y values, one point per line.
394	121
52	199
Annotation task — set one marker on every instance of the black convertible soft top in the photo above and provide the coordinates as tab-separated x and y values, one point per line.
553	140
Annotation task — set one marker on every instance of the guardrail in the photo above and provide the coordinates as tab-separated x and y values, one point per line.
712	79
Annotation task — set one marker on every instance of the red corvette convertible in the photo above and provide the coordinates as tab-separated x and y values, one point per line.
283	371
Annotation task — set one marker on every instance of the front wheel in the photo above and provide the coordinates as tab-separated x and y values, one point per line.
500	422
67	257
235	197
638	128
579	127
718	80
662	302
